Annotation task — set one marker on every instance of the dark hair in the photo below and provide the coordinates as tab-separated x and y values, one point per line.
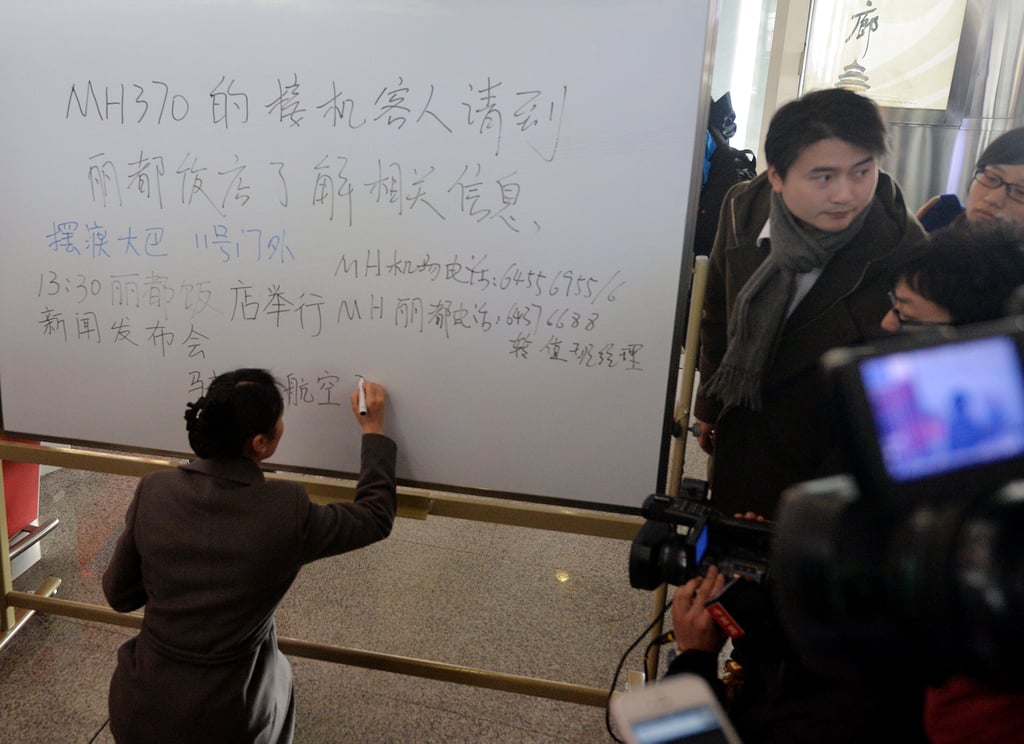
970	269
1006	149
832	113
237	406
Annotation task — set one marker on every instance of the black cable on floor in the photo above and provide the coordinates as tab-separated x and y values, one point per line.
99	731
618	669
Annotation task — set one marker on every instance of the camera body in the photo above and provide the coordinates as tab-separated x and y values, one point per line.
916	552
684	535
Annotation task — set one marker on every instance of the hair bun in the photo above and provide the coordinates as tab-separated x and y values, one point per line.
192	411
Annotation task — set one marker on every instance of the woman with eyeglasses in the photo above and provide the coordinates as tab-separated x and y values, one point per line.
996	192
996	197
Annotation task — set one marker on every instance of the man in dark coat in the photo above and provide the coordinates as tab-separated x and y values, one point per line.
802	263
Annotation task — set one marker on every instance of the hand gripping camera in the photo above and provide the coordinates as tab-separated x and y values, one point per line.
684	536
918	554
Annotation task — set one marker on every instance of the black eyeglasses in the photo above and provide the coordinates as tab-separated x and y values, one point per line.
907	323
1014	192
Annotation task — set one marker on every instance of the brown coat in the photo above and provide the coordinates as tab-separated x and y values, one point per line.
758	454
210	549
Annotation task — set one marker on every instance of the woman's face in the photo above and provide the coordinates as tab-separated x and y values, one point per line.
263	446
986	203
276	436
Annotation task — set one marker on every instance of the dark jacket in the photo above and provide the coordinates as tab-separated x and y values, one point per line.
209	549
778	699
781	701
758	454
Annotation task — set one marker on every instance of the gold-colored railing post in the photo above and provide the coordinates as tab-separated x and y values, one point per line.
684	399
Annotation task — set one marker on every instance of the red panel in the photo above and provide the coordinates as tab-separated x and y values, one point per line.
21	494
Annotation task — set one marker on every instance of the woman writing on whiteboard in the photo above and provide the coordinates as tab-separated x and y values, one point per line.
209	549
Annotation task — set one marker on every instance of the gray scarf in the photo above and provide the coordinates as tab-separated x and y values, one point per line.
761	304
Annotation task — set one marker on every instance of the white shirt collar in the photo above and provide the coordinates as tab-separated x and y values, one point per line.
804	280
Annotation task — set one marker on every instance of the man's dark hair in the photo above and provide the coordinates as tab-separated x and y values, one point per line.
832	113
971	270
1006	149
237	406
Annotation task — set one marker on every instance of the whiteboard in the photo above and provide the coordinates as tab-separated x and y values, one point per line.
481	205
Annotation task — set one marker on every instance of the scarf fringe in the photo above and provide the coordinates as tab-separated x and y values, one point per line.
735	386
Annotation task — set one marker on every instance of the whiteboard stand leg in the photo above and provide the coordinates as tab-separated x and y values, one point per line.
684	398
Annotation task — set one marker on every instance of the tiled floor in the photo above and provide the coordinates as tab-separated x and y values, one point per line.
475	594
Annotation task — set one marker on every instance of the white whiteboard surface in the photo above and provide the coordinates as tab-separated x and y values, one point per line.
480	205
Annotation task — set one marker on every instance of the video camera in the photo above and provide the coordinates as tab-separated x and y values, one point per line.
661	553
916	558
684	536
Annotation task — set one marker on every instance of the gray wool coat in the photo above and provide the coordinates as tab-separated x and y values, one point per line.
209	549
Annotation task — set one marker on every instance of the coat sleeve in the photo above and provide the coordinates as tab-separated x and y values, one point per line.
122	579
714	312
337	528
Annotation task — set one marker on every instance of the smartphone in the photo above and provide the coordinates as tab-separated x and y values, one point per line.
681	709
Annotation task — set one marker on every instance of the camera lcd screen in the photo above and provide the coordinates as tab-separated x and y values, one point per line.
945	408
701	546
